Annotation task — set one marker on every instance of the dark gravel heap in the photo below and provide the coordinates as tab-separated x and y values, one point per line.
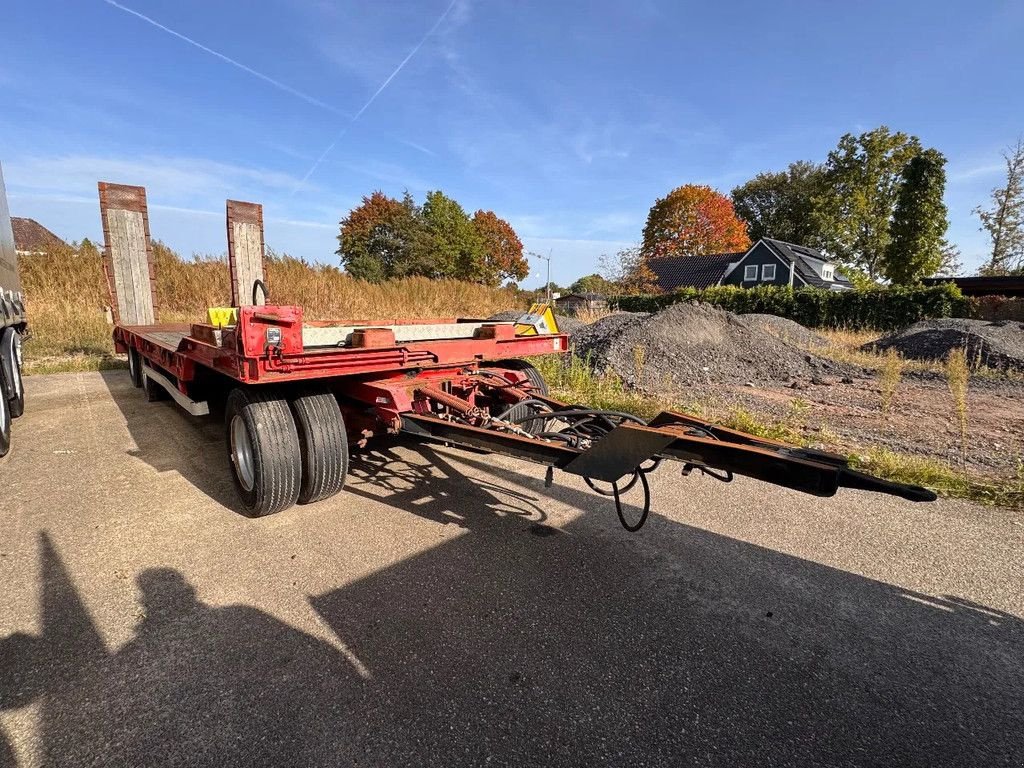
566	324
687	345
998	344
788	330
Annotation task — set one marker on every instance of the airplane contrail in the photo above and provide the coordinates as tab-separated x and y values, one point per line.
267	79
373	98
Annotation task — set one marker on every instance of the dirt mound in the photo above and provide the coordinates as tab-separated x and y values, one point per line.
997	344
566	324
787	330
694	344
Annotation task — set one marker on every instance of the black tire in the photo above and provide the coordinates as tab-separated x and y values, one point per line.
272	479
540	387
135	367
324	444
5	420
10	362
17	403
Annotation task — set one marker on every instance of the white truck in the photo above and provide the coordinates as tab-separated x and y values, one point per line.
13	323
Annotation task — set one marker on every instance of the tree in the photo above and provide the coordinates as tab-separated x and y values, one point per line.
950	266
780	205
593	284
919	222
1004	221
381	238
502	249
457	248
384	238
628	271
855	206
693	220
88	248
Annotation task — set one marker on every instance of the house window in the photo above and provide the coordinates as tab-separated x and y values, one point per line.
826	273
750	272
768	272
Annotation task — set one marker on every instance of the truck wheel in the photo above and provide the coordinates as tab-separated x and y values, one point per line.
263	447
135	367
539	386
18	401
5	421
324	444
10	361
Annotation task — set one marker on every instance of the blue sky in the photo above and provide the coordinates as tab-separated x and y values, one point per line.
566	118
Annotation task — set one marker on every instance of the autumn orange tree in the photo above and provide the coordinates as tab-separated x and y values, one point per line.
383	237
693	220
502	249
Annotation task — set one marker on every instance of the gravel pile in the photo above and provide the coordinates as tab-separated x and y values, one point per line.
787	330
566	324
687	345
998	344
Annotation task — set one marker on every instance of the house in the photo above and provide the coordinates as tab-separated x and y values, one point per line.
31	237
572	303
692	271
766	262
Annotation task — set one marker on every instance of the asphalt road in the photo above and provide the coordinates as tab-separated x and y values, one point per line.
448	610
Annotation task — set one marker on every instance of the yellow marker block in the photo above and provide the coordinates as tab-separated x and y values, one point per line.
222	316
539	321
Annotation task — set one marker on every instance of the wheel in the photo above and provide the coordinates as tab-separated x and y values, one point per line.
5	419
135	367
324	444
540	387
264	450
10	348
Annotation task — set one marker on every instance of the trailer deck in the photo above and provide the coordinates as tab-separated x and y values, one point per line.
298	395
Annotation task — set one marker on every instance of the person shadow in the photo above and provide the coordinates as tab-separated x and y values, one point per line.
197	685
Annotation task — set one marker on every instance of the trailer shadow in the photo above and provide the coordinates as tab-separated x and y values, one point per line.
585	646
168	439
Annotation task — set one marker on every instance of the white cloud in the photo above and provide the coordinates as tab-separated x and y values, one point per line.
169	178
970	172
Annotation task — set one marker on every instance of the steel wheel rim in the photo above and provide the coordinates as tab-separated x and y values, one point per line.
241	454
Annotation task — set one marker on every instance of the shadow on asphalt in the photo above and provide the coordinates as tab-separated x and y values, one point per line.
520	644
167	438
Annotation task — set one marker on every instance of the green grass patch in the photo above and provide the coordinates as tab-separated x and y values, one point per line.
942	478
37	366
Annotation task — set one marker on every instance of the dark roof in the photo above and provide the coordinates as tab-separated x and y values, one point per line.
589	296
995	285
804	258
692	271
32	237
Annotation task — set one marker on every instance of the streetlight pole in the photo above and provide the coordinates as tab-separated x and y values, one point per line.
547	284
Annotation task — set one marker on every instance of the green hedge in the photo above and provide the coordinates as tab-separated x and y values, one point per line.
877	308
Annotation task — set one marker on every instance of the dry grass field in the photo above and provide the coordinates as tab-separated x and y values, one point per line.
67	300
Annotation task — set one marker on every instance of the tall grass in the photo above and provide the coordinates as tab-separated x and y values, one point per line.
67	296
958	375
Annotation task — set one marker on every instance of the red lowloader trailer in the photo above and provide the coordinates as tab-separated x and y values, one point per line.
297	395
